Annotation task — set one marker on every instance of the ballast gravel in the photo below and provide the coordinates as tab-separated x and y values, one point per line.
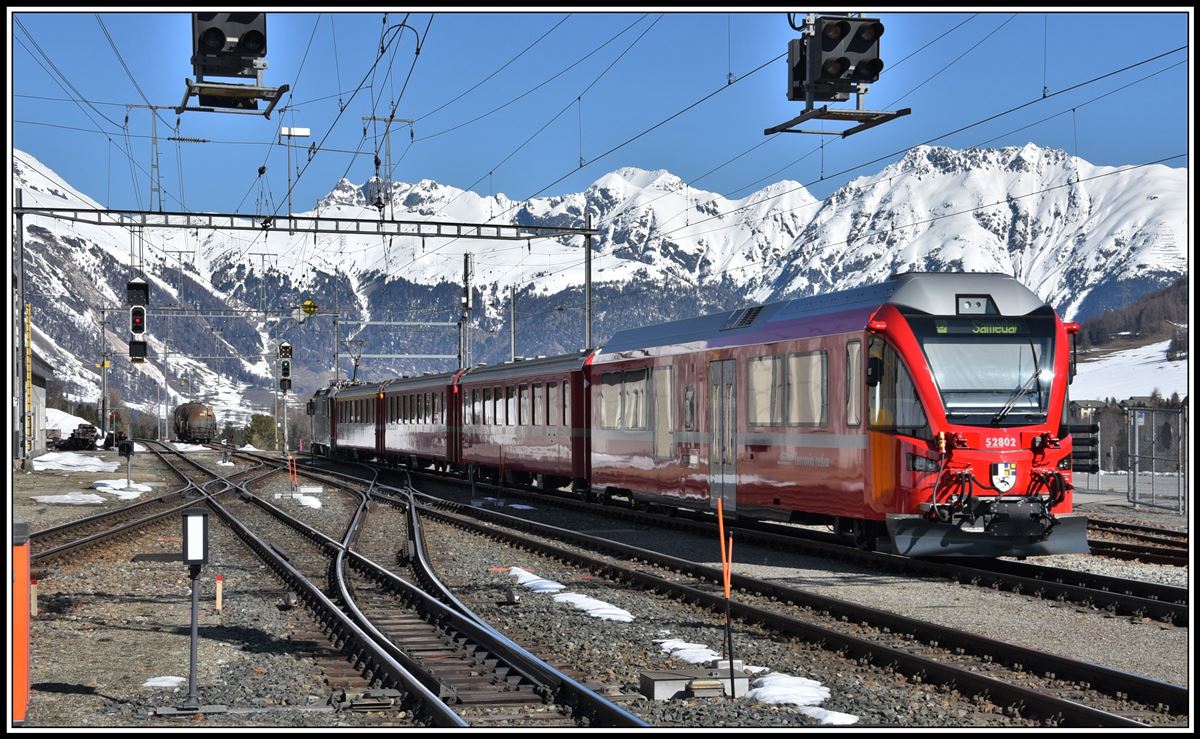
107	626
614	653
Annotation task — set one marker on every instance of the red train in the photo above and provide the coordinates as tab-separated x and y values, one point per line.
925	414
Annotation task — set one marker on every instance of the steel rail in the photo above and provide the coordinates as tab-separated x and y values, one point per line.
1102	678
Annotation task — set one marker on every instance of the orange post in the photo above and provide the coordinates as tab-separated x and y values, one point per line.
20	626
220	583
726	576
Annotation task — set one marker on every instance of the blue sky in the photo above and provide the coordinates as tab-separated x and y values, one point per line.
963	69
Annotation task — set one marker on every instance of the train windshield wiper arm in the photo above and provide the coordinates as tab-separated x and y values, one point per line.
1017	394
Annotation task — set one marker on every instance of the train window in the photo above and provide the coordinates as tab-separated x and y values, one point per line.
766	390
689	408
893	404
498	406
523	405
510	400
664	412
539	405
633	403
552	404
489	413
854	383
566	403
807	389
610	400
438	404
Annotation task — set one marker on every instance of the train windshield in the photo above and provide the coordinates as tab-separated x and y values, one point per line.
990	370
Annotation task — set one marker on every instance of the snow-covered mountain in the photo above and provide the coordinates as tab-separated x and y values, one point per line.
1082	236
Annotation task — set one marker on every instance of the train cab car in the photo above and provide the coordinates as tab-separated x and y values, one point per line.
923	412
526	421
355	412
320	412
416	428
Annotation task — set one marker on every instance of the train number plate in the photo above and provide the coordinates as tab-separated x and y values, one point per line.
1001	442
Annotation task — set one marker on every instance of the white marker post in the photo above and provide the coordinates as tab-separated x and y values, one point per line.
195	555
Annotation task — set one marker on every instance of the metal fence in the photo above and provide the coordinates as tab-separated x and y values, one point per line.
1157	449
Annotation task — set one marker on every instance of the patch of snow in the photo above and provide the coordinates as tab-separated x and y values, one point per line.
308	500
1132	372
72	462
779	687
190	447
249	448
688	652
167	681
535	583
595	608
63	421
70	499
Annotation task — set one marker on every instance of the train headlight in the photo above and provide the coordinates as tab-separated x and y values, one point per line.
919	463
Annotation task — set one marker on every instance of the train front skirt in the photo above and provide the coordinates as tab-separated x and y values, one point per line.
918	536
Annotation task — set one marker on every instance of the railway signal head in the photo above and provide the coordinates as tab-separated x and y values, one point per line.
285	368
137	292
285	350
227	44
840	54
137	320
285	384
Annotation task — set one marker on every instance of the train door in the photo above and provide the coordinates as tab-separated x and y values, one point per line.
722	426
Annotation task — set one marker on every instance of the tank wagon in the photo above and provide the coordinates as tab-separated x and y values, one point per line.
194	423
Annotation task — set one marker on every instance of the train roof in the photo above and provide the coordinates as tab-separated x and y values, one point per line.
526	367
934	293
433	380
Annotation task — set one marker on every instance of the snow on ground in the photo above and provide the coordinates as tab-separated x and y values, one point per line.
123	489
535	583
779	687
70	499
72	462
167	681
190	447
249	448
1131	372
63	421
694	653
308	500
595	608
775	687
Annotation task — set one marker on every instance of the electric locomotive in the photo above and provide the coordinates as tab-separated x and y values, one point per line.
924	415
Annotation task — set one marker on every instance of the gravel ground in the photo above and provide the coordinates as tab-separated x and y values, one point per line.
614	653
146	468
107	625
331	519
1142	647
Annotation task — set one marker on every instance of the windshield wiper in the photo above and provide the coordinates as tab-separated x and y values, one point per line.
1017	394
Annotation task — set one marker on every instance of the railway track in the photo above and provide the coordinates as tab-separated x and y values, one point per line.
1067	691
1057	689
1143	543
486	678
57	541
1118	595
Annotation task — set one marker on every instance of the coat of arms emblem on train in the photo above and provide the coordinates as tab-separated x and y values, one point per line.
1004	476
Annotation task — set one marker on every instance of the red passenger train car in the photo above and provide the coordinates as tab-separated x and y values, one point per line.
926	413
526	422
